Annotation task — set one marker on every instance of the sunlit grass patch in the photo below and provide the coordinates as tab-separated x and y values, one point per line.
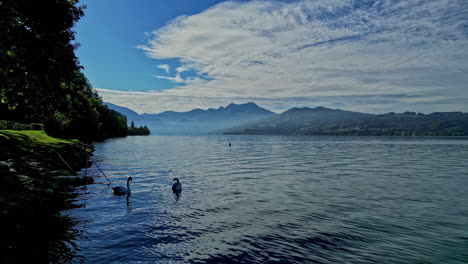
34	138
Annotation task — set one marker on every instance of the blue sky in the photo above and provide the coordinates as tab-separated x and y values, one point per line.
373	56
110	32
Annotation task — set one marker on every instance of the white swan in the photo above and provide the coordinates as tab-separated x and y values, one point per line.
120	190
177	186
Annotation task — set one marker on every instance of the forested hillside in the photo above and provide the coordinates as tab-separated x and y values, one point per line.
40	76
326	121
398	124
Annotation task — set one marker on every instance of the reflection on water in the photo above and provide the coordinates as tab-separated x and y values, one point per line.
176	197
276	200
129	204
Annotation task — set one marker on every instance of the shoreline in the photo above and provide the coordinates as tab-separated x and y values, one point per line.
34	187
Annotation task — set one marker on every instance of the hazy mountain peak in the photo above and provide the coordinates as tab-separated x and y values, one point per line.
249	104
200	120
296	119
129	113
318	109
322	108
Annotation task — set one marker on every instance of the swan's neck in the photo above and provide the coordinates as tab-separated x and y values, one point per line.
128	185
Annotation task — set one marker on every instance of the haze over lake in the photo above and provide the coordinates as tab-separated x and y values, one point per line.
274	199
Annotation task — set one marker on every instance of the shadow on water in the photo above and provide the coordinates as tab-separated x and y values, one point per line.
39	234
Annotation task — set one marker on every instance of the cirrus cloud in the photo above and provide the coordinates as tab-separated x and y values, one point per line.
373	56
165	67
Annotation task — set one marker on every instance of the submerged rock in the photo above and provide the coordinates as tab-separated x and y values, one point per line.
73	180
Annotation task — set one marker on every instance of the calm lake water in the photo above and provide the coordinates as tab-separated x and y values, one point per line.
273	199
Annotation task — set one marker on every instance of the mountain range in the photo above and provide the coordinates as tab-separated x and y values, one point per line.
197	121
326	121
249	118
129	113
294	120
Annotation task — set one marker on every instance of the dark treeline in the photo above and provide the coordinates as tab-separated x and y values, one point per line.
400	124
138	131
40	75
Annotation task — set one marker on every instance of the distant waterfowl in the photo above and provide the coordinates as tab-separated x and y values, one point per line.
177	186
229	143
120	190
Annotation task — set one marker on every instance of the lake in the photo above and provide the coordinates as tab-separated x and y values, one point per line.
275	199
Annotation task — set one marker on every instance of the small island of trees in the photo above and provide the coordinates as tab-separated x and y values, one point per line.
138	131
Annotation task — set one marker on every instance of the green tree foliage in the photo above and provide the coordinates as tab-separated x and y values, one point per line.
40	75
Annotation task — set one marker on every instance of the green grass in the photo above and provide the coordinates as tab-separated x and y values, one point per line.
33	138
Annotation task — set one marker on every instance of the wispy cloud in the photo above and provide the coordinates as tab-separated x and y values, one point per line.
181	69
176	79
165	67
345	53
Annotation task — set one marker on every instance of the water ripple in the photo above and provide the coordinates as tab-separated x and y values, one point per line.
277	200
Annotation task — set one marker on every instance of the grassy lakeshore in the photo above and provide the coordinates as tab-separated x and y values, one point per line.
30	139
